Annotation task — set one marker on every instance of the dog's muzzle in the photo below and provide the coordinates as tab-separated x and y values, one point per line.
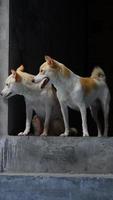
7	95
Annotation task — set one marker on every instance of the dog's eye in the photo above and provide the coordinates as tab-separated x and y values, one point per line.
7	84
42	71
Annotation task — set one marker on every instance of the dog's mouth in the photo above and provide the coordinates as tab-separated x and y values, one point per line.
44	82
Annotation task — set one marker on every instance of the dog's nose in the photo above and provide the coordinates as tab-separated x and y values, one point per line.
33	81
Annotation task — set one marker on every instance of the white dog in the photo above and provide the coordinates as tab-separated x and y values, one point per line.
77	92
43	101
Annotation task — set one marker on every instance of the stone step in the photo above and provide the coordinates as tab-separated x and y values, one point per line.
75	155
56	187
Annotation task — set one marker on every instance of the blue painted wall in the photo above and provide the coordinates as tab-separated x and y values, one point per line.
55	187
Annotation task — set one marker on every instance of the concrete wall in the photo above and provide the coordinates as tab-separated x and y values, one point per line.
43	187
56	155
4	44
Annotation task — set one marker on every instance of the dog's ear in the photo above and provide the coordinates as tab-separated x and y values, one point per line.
16	76
13	72
21	68
49	60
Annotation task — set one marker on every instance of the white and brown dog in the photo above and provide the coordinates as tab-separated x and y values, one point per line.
77	92
43	101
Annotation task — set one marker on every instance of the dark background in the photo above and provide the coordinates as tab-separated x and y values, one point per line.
76	33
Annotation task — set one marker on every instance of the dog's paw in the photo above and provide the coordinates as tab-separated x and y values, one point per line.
105	135
99	135
85	135
65	134
43	134
22	133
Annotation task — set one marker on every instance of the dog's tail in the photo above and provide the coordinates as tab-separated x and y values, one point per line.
98	73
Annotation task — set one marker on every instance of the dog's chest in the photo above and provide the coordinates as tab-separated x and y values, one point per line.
72	103
38	104
67	98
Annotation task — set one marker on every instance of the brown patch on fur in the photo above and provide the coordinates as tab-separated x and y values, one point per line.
61	68
65	71
24	75
88	84
17	77
27	76
55	65
21	68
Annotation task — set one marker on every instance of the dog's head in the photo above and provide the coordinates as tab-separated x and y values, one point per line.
10	85
50	70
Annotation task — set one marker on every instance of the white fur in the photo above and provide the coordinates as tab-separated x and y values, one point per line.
71	94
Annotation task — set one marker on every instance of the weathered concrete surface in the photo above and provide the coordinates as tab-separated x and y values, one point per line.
56	187
30	154
4	44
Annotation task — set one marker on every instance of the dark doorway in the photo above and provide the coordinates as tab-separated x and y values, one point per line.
75	33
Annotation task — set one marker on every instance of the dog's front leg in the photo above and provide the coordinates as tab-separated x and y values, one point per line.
84	120
29	113
64	110
47	120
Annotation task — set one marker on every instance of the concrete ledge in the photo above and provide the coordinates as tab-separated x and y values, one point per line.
75	155
59	187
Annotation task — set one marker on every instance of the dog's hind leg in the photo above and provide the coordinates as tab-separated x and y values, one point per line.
106	113
37	125
47	120
105	106
94	113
